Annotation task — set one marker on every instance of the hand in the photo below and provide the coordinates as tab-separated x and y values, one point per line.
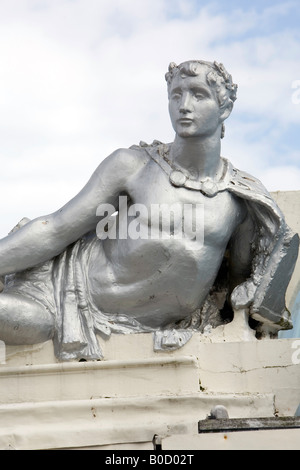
20	224
243	295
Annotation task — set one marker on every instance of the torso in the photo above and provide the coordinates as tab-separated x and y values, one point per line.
159	281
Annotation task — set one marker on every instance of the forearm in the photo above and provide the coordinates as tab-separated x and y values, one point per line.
34	243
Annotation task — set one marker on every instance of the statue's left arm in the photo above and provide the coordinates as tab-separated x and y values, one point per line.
240	264
270	248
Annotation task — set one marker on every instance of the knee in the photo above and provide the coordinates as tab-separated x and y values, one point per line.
24	322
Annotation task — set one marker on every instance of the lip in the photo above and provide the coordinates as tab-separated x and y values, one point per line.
185	120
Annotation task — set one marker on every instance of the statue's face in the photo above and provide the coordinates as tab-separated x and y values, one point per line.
193	106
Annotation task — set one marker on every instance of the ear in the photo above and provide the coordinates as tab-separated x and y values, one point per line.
226	111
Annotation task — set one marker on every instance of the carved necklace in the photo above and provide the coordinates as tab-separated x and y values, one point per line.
206	186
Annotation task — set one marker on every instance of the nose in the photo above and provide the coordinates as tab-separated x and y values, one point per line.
185	104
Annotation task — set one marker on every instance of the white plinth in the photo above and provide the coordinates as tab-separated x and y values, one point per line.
121	402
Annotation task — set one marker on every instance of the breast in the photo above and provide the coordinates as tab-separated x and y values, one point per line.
222	215
213	218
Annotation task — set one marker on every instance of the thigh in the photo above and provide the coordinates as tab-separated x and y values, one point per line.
24	321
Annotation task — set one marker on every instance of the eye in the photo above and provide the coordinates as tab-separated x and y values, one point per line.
199	96
176	96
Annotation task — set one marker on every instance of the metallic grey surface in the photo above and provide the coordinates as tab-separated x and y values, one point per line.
64	283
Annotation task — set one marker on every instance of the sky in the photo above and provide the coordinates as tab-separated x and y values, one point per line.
81	78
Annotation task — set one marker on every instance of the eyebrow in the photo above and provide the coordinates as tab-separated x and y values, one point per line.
176	90
201	88
195	89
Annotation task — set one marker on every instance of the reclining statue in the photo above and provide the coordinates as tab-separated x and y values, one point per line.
108	261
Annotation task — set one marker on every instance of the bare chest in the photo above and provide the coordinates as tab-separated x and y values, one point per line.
163	207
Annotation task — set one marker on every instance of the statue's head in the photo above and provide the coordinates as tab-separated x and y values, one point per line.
216	77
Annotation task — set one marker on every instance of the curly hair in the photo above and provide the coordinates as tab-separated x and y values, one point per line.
217	77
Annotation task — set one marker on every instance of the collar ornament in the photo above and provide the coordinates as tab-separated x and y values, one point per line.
206	186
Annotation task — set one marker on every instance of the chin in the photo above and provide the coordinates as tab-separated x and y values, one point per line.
185	133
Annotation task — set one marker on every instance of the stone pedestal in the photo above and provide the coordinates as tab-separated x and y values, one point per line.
122	402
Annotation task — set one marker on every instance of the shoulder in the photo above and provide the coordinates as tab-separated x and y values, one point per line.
134	158
256	196
244	184
123	162
128	157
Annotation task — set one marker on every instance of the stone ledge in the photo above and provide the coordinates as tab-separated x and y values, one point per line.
83	380
117	421
247	424
266	366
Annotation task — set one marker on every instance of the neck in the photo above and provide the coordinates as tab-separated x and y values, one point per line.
199	157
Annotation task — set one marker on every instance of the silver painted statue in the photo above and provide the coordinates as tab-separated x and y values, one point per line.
106	262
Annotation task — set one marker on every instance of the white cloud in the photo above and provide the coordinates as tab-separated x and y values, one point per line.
285	177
